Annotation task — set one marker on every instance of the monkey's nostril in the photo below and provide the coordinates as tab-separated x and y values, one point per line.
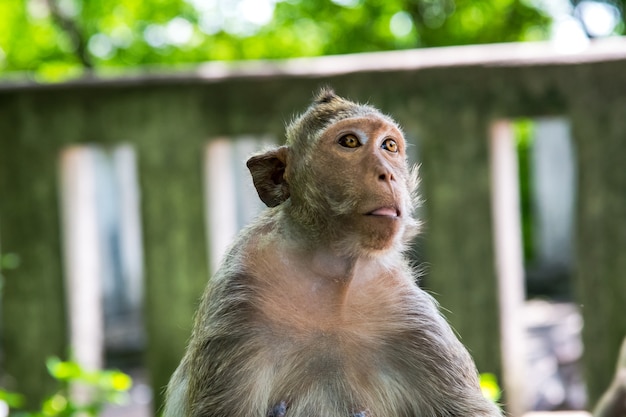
386	177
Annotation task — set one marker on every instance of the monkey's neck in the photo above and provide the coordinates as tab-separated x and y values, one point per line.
336	270
312	286
328	265
325	290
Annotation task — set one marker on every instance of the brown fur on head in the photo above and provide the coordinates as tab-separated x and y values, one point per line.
328	194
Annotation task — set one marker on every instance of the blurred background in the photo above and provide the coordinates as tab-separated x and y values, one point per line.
113	119
51	40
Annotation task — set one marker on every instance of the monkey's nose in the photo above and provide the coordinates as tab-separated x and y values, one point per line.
386	176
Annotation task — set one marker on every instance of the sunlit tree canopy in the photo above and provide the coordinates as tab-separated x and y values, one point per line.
57	39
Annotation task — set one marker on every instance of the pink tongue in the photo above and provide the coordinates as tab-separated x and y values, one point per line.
385	211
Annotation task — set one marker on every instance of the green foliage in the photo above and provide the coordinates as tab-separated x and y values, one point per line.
57	39
102	387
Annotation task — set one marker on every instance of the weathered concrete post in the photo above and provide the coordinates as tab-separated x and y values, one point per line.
599	128
33	307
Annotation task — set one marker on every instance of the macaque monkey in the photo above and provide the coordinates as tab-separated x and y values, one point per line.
315	311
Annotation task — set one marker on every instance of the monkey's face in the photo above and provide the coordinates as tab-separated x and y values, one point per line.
356	183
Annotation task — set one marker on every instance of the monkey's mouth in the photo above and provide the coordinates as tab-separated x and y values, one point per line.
385	212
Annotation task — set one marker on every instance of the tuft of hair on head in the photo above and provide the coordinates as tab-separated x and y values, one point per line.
325	95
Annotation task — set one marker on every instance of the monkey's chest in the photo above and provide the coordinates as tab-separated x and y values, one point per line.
330	361
325	375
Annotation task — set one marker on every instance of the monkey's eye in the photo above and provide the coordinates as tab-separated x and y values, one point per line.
390	145
349	141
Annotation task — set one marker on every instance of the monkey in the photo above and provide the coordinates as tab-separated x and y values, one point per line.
315	310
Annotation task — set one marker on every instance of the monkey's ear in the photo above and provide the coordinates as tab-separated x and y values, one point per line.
268	175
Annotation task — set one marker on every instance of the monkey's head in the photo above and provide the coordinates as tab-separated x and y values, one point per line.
342	180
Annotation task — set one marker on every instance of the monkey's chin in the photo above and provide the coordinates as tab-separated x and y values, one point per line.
379	232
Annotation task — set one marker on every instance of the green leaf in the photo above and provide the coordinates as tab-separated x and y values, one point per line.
62	370
120	381
55	405
12	399
489	386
